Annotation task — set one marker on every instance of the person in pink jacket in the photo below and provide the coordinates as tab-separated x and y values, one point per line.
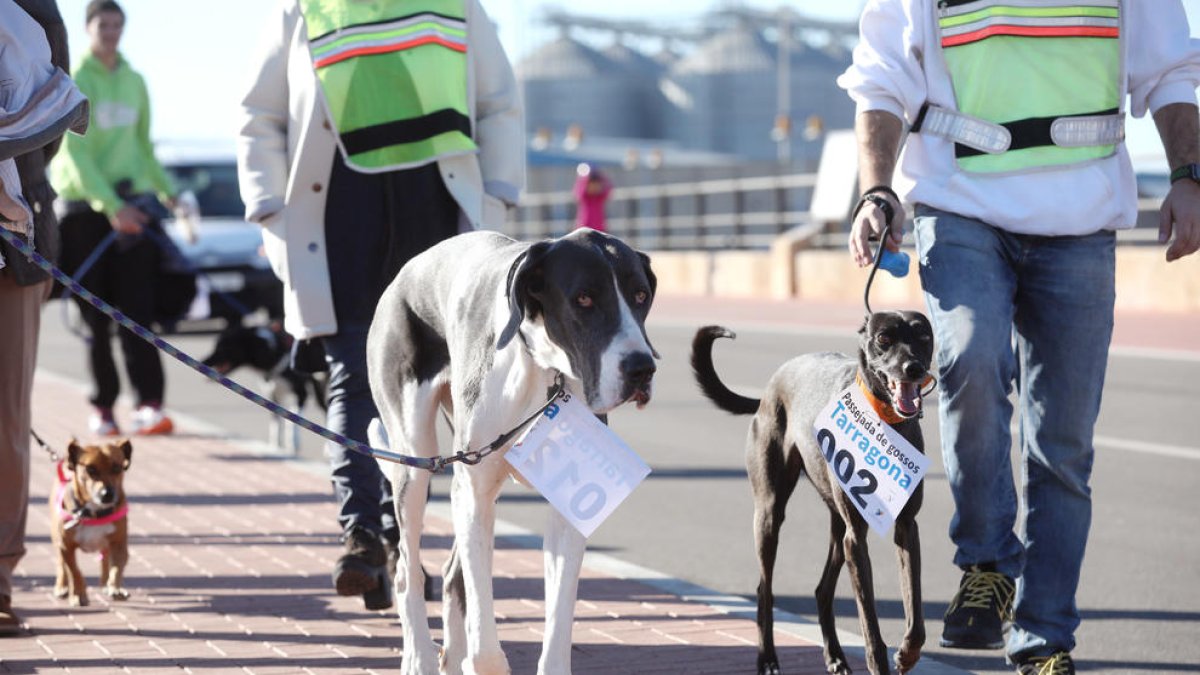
592	188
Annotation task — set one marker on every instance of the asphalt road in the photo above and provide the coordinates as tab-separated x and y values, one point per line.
1140	592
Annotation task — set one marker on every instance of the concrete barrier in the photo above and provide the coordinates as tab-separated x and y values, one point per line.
1145	281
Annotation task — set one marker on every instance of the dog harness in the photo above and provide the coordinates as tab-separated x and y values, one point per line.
1036	83
394	75
74	517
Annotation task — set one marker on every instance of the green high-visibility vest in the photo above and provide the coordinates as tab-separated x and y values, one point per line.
394	75
1025	63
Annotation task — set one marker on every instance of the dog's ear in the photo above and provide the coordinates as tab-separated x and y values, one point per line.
653	280
74	450
520	283
127	448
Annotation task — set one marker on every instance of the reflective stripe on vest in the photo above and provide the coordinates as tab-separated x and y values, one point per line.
394	76
1031	66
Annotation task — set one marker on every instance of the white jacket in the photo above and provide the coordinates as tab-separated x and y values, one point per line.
286	146
897	67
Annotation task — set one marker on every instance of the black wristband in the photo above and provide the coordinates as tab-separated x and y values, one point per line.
884	205
884	189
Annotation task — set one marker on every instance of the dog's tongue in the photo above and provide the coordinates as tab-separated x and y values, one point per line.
641	396
906	396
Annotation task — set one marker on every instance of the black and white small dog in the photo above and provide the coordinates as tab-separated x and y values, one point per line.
267	349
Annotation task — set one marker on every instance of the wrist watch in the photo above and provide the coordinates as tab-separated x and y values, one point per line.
1191	171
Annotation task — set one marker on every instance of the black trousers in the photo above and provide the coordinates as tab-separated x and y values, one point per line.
124	277
374	223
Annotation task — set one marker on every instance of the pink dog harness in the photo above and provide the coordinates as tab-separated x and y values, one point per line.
72	518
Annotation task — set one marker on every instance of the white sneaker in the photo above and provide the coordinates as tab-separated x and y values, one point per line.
150	421
101	426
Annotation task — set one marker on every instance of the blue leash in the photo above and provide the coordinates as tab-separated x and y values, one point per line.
433	464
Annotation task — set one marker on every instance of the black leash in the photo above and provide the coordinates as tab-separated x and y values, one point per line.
887	231
473	457
54	456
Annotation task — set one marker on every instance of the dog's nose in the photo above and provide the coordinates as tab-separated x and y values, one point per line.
106	494
638	368
913	370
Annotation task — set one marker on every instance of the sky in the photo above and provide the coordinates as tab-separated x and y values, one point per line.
197	57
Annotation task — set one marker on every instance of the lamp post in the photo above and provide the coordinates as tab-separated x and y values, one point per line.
781	133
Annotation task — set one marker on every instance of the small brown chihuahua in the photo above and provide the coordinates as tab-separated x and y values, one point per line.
90	514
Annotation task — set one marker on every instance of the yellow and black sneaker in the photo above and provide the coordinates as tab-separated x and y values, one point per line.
983	605
1058	663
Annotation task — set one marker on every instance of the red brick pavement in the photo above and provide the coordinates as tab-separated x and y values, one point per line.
229	572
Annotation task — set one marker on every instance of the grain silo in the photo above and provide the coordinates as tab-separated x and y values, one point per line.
723	94
645	103
566	82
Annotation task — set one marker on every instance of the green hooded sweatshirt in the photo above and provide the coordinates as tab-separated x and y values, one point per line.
117	146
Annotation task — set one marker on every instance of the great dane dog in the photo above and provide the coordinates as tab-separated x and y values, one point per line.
894	356
480	326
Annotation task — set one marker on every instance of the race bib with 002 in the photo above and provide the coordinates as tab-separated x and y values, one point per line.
876	466
578	464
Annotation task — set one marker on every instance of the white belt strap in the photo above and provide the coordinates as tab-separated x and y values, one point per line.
1079	132
970	131
992	138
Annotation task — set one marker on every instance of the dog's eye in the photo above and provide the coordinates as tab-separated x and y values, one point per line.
93	473
640	297
583	300
883	341
116	470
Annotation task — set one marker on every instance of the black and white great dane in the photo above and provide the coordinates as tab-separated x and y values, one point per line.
479	326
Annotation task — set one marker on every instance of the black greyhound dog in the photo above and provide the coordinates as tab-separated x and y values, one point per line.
267	349
894	356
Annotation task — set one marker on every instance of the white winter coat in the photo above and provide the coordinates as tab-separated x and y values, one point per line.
286	146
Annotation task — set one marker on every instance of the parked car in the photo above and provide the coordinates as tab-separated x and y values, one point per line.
234	277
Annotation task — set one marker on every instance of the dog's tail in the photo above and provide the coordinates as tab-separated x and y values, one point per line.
706	374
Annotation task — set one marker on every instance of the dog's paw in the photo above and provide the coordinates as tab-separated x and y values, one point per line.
487	664
80	600
837	666
116	592
61	592
906	660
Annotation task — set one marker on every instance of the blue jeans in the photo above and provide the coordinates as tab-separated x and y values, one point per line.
1036	312
363	494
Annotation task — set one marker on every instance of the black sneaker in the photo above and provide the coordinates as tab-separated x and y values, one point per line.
359	568
381	596
980	609
1058	663
10	624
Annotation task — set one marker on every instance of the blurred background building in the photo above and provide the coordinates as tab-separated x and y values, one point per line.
734	89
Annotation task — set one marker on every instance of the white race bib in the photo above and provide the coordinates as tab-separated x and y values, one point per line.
578	464
872	462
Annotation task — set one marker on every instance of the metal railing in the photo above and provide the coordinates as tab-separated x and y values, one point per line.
720	214
738	213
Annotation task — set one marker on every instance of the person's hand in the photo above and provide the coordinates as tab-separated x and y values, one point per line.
11	209
870	222
129	220
1180	215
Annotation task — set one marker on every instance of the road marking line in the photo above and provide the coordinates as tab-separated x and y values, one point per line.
1148	448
